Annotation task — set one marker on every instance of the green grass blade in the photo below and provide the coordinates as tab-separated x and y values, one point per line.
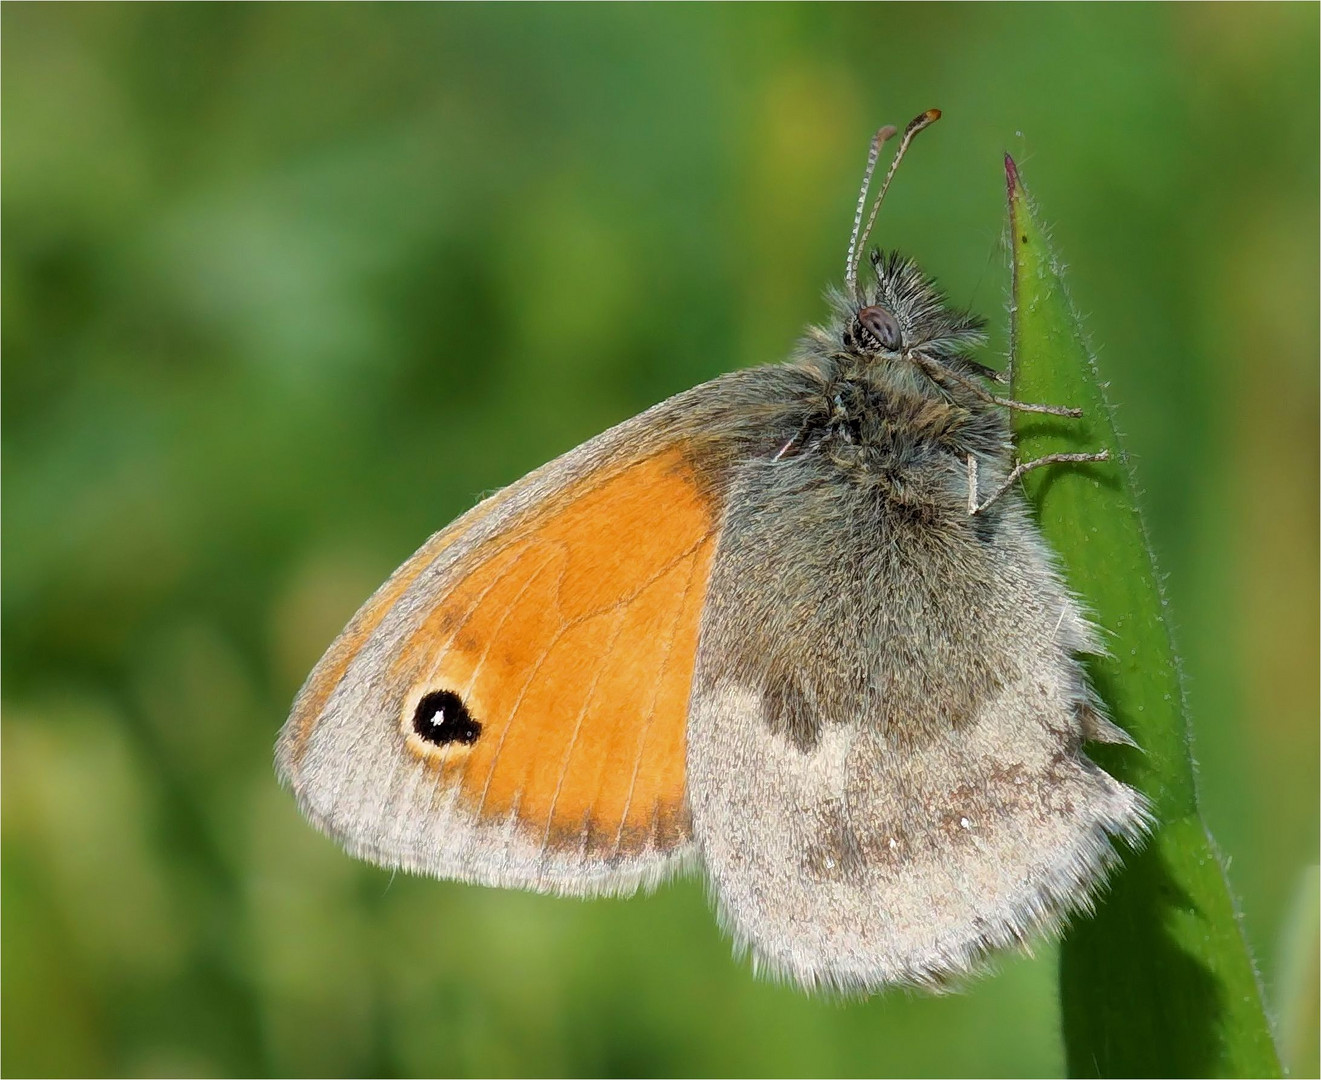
1160	981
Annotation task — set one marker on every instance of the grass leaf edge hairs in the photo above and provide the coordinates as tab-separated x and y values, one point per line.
1159	980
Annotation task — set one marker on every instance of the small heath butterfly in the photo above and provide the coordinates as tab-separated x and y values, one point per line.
793	628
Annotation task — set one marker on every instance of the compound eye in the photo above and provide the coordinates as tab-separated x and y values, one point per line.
881	325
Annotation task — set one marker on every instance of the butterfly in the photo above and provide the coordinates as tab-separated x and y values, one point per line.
793	628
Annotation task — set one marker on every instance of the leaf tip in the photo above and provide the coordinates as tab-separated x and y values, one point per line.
1011	177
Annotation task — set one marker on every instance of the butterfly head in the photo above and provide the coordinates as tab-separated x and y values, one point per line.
874	330
899	314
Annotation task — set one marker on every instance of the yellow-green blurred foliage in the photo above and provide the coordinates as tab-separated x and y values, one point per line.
287	287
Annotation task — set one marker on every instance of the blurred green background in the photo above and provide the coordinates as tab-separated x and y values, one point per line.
285	288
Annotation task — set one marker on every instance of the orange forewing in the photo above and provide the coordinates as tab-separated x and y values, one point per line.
572	644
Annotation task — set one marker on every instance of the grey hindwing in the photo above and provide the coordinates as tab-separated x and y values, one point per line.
885	757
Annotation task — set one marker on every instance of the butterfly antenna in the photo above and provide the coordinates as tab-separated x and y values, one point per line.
910	133
851	265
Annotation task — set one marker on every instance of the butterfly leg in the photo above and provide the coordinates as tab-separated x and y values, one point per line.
1024	406
939	373
974	507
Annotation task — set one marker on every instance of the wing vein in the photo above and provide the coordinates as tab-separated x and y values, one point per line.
513	712
577	729
655	696
486	652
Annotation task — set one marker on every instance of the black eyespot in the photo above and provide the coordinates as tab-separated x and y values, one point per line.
442	718
882	326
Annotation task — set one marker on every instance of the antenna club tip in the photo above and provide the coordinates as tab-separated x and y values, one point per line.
926	119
